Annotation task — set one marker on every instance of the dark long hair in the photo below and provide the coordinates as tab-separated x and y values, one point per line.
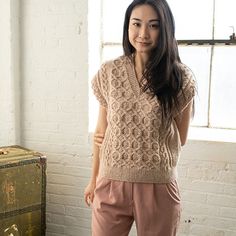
162	75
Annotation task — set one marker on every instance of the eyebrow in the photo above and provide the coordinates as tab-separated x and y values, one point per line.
149	20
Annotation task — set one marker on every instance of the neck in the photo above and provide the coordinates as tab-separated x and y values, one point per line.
140	61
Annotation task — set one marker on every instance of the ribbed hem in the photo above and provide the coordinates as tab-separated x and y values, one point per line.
135	175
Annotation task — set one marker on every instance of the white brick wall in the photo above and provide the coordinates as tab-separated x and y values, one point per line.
55	105
54	115
9	73
5	77
207	179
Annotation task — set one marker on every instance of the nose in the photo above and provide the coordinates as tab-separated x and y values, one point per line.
143	32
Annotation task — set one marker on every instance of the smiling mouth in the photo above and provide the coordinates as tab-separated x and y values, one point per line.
144	43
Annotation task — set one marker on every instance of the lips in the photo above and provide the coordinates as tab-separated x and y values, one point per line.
144	43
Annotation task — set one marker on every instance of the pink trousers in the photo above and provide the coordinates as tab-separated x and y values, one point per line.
155	208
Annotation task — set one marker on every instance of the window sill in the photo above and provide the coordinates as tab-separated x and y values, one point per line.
212	134
204	134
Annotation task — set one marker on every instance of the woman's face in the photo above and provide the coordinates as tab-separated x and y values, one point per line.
144	28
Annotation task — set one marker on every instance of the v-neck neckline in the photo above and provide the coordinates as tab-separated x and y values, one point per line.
133	78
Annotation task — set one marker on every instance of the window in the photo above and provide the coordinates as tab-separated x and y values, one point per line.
213	65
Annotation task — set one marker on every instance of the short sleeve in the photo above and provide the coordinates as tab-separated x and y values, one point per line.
99	86
188	89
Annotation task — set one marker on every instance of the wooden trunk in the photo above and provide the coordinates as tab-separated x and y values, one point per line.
22	192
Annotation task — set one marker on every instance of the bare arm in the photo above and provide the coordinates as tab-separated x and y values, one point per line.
183	121
99	132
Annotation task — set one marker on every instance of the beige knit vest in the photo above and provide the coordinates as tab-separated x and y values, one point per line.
136	147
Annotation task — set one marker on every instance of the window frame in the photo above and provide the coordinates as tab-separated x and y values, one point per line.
188	43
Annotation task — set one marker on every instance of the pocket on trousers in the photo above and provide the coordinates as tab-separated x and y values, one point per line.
101	194
172	189
102	184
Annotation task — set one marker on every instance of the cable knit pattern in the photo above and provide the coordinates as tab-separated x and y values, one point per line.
136	147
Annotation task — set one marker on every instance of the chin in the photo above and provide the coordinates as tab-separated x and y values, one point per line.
146	51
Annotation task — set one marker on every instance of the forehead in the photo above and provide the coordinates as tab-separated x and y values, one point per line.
144	12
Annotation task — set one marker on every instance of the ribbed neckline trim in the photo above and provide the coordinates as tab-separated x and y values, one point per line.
132	77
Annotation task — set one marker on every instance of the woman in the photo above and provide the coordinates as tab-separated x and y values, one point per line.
146	100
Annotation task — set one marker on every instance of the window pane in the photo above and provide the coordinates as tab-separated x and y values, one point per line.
224	18
111	52
223	105
113	19
193	18
198	60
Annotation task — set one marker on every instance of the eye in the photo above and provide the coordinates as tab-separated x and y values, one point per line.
137	24
154	26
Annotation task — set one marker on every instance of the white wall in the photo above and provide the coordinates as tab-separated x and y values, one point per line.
207	177
55	105
9	73
54	120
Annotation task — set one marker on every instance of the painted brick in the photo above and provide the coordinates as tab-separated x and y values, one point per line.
61	179
57	219
206	231
77	171
227	223
78	221
222	200
54	234
55	228
228	212
194	196
67	200
192	208
230	189
197	184
232	166
55	208
78	212
228	176
75	231
182	171
229	233
65	190
55	168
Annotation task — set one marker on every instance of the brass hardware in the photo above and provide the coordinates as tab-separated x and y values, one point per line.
3	152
